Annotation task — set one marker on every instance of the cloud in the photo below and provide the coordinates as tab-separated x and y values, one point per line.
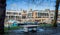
26	4
13	4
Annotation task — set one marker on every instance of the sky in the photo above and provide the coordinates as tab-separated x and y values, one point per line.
30	4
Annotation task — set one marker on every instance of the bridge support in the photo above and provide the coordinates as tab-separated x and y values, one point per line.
26	29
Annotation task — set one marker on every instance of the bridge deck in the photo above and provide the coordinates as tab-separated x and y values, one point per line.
30	25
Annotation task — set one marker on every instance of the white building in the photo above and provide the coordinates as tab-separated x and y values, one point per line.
32	15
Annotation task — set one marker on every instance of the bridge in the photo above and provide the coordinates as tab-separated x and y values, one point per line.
26	27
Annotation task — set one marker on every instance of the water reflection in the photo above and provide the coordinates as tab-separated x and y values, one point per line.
40	31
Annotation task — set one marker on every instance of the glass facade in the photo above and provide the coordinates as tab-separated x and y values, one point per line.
43	15
29	15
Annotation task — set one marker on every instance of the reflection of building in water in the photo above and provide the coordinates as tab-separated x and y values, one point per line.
32	15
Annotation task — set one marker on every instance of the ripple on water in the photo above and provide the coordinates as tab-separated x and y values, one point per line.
18	31
40	30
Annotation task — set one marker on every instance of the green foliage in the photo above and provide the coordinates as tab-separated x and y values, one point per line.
46	25
11	28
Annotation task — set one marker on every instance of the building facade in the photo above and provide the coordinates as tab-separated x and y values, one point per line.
40	16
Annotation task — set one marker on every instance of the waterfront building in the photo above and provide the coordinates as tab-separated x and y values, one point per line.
40	16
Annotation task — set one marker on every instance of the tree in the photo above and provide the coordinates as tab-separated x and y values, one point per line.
56	13
2	15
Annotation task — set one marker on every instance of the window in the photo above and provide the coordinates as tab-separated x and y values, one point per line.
51	17
44	15
15	13
29	15
23	17
39	15
19	13
8	12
